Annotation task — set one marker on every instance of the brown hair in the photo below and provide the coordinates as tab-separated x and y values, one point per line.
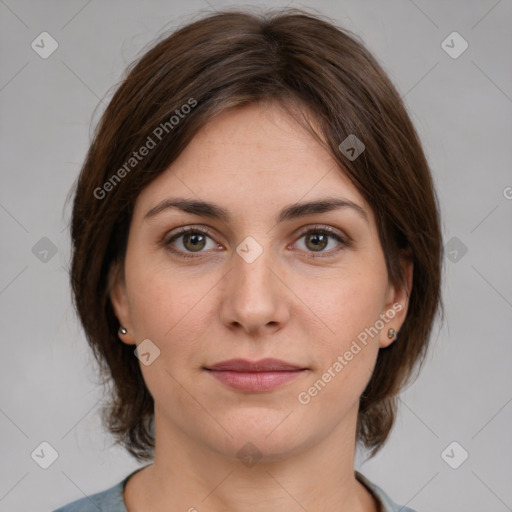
223	61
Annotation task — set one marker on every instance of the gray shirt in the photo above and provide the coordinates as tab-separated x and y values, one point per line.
111	500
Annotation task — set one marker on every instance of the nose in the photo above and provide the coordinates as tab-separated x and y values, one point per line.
254	296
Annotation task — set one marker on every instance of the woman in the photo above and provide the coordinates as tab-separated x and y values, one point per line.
256	264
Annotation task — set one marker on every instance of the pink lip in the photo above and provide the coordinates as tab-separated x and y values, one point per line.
264	365
254	376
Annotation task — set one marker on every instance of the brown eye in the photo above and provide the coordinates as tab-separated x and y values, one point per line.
316	242
193	241
188	241
317	239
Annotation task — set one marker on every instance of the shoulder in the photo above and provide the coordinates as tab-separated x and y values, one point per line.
386	503
110	500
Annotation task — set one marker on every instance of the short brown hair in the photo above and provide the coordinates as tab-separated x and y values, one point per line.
324	76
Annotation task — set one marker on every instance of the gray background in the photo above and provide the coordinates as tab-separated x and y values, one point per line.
462	109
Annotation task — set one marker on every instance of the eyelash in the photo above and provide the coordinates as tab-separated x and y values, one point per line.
324	230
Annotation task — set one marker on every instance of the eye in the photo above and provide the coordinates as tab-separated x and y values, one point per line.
194	240
317	239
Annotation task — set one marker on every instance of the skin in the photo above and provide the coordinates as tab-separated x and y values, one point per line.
216	306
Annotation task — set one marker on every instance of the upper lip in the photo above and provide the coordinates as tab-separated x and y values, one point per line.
263	365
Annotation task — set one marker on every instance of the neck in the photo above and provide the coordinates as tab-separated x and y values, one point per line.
187	476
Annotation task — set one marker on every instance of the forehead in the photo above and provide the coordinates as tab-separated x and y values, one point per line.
251	159
260	137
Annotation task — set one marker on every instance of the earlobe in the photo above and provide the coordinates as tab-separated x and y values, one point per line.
397	305
119	299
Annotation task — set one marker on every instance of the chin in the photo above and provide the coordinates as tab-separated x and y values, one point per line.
267	436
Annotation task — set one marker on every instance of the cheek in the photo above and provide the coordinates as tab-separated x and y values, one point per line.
163	297
345	354
343	305
168	308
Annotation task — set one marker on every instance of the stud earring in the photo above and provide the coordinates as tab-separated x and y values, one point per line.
122	330
391	333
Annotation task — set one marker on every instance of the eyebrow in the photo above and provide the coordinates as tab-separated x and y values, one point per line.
290	212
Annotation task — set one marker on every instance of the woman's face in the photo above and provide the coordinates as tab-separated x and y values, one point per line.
259	284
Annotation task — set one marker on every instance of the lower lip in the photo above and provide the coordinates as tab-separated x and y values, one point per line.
255	381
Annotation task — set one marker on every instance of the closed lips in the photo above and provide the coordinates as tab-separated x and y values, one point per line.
261	376
264	365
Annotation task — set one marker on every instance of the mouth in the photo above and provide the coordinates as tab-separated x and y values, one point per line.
255	376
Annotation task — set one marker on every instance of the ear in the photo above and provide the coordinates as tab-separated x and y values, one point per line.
397	303
119	299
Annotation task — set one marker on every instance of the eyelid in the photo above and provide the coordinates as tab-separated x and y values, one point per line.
186	229
323	227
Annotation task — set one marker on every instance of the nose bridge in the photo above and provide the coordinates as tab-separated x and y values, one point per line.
251	274
254	296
